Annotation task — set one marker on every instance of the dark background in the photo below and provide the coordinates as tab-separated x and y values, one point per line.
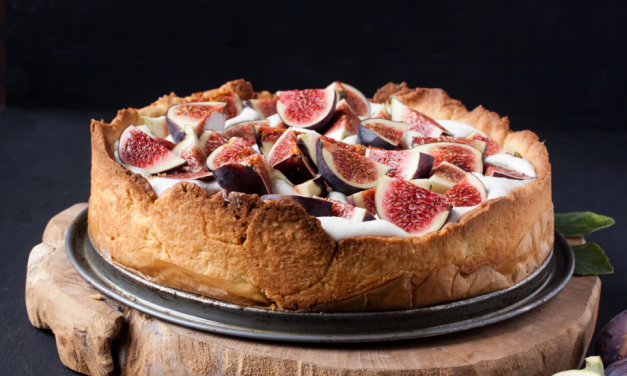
557	68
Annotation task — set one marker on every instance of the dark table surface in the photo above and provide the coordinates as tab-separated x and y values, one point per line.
45	158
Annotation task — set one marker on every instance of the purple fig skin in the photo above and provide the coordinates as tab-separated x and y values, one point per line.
177	134
367	137
425	165
296	169
351	201
313	206
235	177
301	145
617	368
319	180
611	344
367	217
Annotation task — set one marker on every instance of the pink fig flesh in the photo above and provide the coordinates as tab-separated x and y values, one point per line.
310	108
138	149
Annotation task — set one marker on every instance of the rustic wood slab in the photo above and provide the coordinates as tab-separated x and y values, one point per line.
98	336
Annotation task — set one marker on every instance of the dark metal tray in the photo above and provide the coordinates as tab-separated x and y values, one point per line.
212	315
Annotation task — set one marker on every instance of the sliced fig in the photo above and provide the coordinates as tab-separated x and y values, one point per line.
406	164
468	192
445	176
234	150
413	209
296	166
316	207
351	212
463	156
201	175
344	122
492	147
417	121
381	133
163	142
211	140
307	143
249	175
138	149
158	125
364	200
282	148
310	108
347	172
266	136
244	130
354	97
500	171
233	103
265	106
477	144
313	187
200	115
381	113
190	150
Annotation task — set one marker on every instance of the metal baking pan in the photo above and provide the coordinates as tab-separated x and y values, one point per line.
212	315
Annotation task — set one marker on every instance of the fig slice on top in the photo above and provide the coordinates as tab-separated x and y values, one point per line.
492	147
418	122
312	187
445	176
211	140
244	130
347	172
266	136
477	144
410	207
138	149
468	192
265	106
309	108
354	97
190	150
249	175
234	150
307	143
406	164
498	170
287	157
381	133
463	156
200	115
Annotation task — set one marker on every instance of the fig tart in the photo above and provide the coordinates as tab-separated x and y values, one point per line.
321	199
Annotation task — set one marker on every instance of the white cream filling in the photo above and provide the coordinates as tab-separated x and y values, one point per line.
459	129
281	187
337	196
350	140
274	120
342	228
247	114
518	164
160	185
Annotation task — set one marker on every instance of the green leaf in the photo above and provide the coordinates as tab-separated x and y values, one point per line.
591	260
581	223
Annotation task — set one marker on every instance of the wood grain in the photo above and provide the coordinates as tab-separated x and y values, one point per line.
103	337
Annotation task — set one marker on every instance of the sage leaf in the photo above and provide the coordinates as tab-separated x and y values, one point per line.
591	260
581	223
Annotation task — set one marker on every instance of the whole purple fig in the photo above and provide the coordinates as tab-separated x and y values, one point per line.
611	344
617	369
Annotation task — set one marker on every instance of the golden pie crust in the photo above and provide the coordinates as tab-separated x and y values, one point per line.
237	248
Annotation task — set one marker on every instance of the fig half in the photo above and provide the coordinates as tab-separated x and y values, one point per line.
354	97
234	150
249	175
406	164
445	176
307	142
287	157
381	133
138	149
418	122
412	208
310	108
477	144
347	172
266	136
468	192
200	115
190	150
463	156
351	212
364	200
312	187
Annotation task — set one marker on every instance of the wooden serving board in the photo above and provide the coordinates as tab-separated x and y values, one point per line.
99	336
